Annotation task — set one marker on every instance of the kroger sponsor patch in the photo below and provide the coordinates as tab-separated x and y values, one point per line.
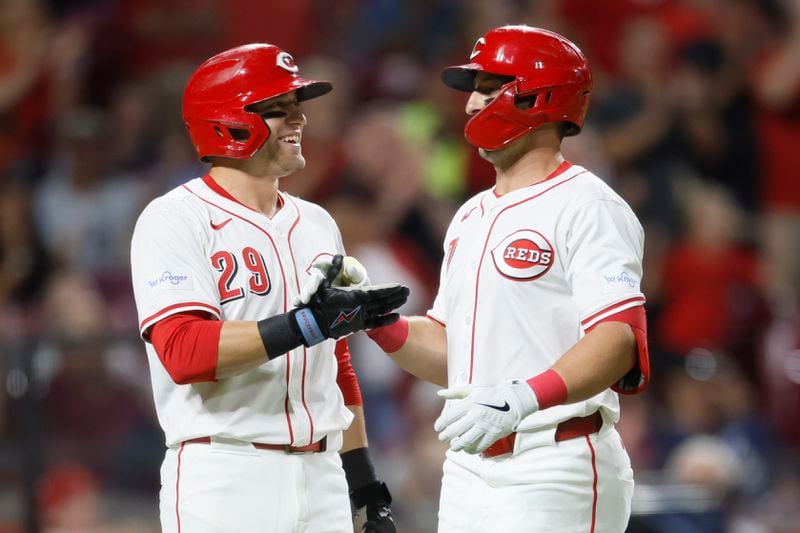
170	280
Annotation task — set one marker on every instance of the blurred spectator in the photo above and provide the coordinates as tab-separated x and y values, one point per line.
69	499
634	116
91	412
25	35
777	510
249	21
709	279
706	462
152	36
385	169
780	367
776	87
323	136
421	456
132	111
84	212
24	261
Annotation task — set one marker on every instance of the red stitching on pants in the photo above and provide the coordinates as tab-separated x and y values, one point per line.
594	484
177	489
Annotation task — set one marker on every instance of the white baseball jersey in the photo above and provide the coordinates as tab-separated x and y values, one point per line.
198	248
526	273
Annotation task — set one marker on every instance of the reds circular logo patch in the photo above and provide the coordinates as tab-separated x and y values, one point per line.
523	256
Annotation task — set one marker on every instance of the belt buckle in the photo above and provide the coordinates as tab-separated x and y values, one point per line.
311	448
287	448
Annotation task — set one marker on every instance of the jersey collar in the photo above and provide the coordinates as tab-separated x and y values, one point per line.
491	200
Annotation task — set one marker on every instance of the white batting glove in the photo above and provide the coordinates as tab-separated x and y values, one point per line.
479	416
353	274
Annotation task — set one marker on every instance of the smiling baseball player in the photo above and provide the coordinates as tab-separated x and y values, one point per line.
255	396
539	317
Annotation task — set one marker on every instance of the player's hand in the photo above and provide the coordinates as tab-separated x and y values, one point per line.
478	416
341	311
352	274
375	499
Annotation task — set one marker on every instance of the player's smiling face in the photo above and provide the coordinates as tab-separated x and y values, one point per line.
281	154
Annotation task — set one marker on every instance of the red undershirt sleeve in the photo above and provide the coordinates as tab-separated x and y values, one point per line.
637	378
346	378
187	345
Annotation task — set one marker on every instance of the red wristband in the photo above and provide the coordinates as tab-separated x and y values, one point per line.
549	388
392	337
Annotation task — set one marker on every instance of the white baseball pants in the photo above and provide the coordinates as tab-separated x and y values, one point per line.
236	488
581	485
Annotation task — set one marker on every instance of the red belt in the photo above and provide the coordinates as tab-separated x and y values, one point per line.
314	447
568	429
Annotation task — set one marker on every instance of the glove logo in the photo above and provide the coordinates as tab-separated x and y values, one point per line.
345	318
504	408
525	255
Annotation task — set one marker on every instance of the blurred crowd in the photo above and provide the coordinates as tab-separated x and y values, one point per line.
694	120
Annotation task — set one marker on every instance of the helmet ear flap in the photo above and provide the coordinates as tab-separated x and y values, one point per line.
242	137
502	121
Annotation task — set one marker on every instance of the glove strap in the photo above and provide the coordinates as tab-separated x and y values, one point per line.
279	334
309	328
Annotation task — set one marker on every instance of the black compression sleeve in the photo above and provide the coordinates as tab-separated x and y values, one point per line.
280	334
358	468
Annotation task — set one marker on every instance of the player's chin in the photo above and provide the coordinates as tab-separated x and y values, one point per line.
294	163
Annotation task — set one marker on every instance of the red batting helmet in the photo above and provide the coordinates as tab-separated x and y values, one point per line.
551	83
216	99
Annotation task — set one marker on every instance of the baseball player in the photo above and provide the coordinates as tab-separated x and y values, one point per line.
256	397
539	317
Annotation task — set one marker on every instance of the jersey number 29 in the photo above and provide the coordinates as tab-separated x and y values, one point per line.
227	264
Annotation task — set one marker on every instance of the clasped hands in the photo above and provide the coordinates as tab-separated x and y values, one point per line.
342	301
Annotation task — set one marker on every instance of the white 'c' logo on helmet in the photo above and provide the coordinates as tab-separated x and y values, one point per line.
477	48
286	62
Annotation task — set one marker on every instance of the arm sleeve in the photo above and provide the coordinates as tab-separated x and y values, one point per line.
188	345
639	376
170	268
346	377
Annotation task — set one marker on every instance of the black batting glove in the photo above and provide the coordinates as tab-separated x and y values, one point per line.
376	498
335	312
366	491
